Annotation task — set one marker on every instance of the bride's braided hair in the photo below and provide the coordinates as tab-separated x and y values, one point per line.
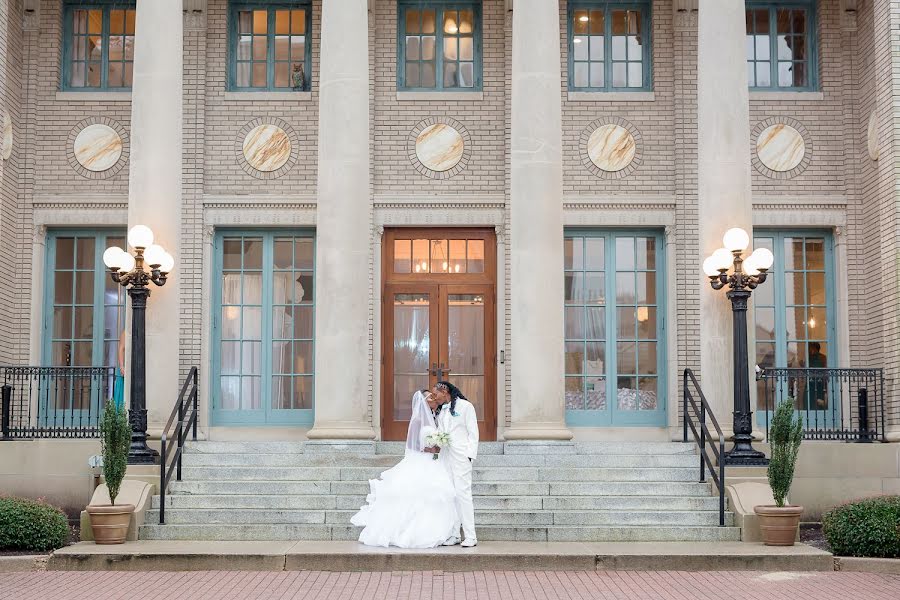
454	392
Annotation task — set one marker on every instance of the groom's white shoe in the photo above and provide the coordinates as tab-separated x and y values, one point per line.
451	541
469	543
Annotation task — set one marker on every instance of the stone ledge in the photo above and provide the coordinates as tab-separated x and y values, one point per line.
268	96
25	563
887	566
611	96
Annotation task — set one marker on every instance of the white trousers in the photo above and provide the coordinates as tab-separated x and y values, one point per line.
461	470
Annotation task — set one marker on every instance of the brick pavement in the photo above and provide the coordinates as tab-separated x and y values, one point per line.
312	585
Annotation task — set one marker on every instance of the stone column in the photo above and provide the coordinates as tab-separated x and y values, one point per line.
724	181
536	226
155	182
343	230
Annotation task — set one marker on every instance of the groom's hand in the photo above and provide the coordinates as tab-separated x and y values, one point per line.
432	450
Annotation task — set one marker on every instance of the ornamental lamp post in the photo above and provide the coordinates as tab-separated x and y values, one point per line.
745	275
128	271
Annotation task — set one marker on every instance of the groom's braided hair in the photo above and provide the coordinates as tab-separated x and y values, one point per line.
454	392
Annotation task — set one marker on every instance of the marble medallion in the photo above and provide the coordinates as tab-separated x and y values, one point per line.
6	137
872	137
439	147
267	148
780	147
98	147
611	147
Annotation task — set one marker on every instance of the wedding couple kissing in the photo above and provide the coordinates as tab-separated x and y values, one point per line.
426	499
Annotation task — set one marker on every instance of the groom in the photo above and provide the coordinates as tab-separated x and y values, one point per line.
456	417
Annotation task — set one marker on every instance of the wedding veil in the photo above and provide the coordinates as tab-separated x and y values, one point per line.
421	424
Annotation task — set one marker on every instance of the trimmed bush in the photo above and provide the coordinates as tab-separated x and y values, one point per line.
785	437
869	527
115	439
31	525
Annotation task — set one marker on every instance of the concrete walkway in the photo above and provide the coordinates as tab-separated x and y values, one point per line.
430	585
517	556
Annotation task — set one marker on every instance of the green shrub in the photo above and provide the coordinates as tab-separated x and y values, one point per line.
785	437
869	527
31	525
115	439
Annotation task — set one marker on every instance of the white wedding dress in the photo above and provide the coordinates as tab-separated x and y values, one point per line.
413	504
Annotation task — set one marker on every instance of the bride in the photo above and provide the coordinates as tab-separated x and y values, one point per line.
413	504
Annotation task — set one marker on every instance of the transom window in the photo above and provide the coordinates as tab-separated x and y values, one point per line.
781	49
98	45
264	343
440	45
269	49
609	46
423	256
614	329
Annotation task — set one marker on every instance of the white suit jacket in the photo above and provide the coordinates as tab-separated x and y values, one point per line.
463	428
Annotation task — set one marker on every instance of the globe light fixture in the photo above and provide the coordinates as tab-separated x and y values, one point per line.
736	239
128	270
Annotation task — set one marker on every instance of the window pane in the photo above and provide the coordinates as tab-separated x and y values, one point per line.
618	48
620	75
282	48
466	49
282	75
466	21
450	49
475	255
574	393
580	72
635	75
282	22
573	249
403	256
451	22
428	21
412	21
298	22
574	322
580	22
595	323
412	47
450	71
594	250
598	22
580	48
95	21
116	22
260	22
597	74
428	76
245	19
763	75
428	47
412	74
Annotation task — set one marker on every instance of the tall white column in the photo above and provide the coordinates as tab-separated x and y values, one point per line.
154	184
536	226
343	229
724	180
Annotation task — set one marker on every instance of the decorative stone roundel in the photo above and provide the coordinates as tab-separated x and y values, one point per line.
439	147
611	148
98	148
267	148
6	137
782	148
872	136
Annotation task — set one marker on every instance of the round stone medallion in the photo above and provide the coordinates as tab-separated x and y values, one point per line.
780	147
98	147
611	147
872	137
6	137
267	147
439	147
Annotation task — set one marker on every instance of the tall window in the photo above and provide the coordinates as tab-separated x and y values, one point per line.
609	46
440	45
98	45
795	312
85	311
263	362
614	328
781	45
269	45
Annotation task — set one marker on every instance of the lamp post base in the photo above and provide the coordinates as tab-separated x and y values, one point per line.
743	454
139	453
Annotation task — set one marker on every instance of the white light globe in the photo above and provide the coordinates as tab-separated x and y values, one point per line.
751	265
764	258
154	255
167	264
709	267
140	236
736	239
723	259
110	256
125	262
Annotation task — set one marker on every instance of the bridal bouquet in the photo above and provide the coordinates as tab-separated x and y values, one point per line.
438	439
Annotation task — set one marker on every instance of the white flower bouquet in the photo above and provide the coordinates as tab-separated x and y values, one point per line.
438	439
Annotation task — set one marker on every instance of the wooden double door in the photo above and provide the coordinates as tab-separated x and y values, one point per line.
439	321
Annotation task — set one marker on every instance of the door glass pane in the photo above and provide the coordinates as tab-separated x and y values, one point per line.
465	327
412	339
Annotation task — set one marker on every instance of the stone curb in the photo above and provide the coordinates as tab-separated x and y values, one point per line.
25	563
887	566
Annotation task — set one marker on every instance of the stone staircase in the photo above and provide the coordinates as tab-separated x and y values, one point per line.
524	491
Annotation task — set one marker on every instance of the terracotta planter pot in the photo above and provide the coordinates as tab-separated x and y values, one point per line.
779	525
110	522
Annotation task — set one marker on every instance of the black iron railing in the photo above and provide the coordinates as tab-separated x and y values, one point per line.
53	402
712	450
836	404
186	406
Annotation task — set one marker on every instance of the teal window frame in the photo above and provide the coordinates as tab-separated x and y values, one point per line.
645	8
68	40
812	45
265	415
778	280
234	8
612	415
439	6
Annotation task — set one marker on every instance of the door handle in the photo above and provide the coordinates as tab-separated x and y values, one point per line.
434	369
443	370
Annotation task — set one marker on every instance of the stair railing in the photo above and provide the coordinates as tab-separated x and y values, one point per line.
696	416
187	397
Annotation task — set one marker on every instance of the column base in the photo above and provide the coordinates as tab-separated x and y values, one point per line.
341	431
538	431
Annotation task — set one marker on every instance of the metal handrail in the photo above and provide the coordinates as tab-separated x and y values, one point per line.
701	413
167	466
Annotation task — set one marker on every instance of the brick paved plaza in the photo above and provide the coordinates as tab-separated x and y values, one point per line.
612	585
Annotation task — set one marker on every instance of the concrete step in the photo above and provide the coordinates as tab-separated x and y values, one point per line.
602	448
497	474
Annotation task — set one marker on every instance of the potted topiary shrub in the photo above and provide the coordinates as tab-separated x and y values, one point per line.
779	523
110	521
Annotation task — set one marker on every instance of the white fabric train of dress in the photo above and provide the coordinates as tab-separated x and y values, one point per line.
412	505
